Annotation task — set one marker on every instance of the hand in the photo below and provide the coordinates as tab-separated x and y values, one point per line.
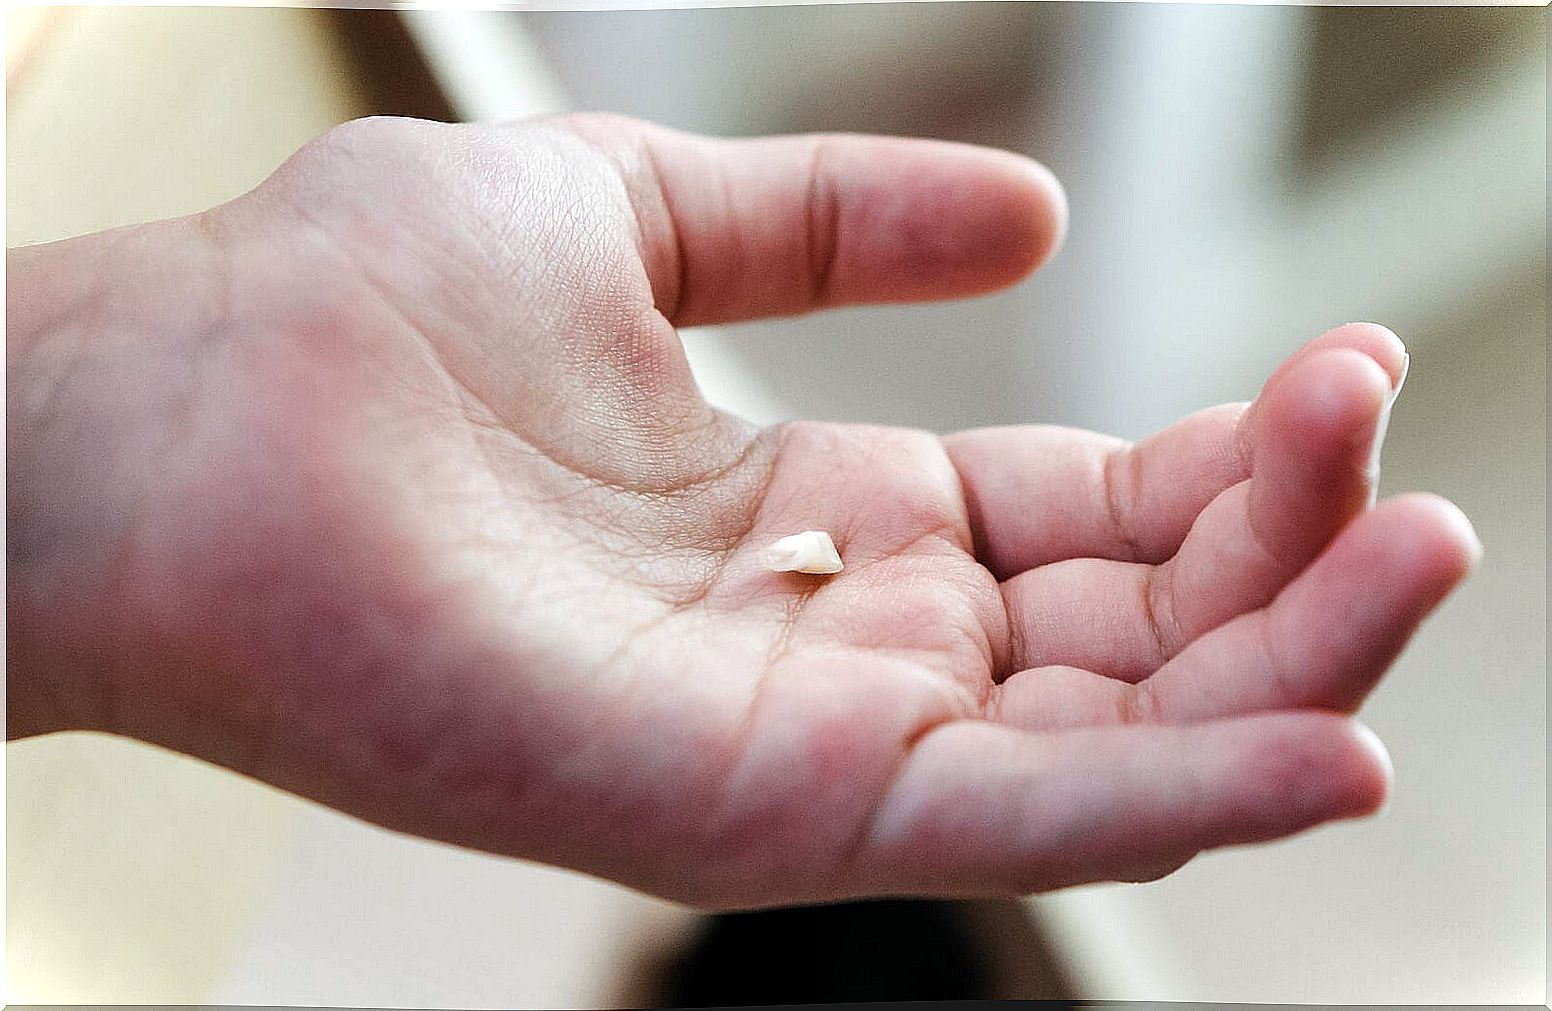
413	508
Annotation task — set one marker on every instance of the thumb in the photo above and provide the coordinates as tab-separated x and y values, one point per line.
739	229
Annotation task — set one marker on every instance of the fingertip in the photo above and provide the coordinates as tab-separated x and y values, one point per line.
1438	532
1329	403
1378	342
1345	385
1295	770
1017	222
1337	766
1379	762
1358	779
1458	528
1052	213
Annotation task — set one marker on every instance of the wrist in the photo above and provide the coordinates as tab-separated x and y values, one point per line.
103	333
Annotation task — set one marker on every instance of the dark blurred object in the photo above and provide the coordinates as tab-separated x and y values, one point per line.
389	66
1368	65
893	950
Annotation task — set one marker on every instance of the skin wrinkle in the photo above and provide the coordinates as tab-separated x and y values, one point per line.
993	705
634	636
966	541
517	271
717	472
618	514
1242	440
961	540
723	798
1004	667
1018	647
738	252
851	862
471	403
794	607
635	350
823	226
698	595
983	642
724	544
671	306
1149	604
511	259
1137	704
669	302
467	393
510	264
740	534
957	710
1258	541
1117	502
975	516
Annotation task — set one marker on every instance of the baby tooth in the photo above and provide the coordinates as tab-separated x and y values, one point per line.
810	551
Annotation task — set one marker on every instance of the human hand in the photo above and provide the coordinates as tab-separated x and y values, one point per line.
413	508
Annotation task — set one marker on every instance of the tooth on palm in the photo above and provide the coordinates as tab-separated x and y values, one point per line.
810	551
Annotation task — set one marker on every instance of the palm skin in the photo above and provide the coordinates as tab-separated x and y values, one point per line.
444	535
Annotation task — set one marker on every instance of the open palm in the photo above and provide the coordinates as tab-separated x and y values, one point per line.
450	540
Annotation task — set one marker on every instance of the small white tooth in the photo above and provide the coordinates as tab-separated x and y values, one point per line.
810	551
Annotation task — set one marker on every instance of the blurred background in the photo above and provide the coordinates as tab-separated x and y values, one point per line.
1240	178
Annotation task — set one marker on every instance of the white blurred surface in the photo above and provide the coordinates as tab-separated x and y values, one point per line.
366	917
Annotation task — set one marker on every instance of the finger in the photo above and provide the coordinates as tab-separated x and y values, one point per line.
1324	643
738	229
979	807
1378	342
1329	637
1310	475
1039	494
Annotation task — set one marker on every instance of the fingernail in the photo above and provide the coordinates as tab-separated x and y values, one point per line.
1381	426
1476	546
1468	533
1371	743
